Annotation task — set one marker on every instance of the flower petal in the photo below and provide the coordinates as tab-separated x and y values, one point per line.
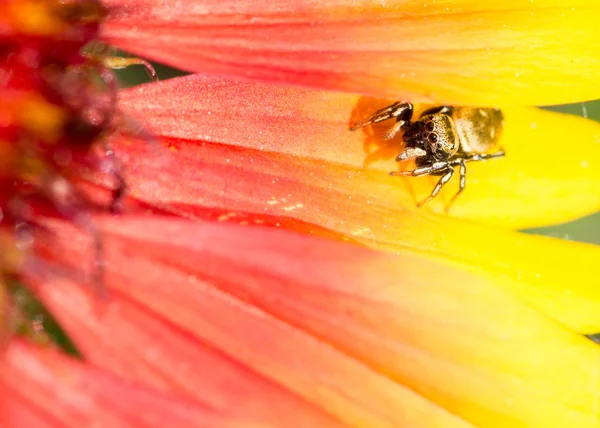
293	380
246	185
461	52
540	182
42	387
346	328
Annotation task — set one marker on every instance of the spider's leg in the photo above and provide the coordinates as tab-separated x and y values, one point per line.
476	157
424	170
391	133
401	111
445	178
411	153
463	182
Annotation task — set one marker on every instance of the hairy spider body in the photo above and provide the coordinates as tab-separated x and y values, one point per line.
443	138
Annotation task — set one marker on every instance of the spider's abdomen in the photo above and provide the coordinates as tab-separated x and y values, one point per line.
478	129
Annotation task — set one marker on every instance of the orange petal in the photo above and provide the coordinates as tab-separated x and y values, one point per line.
461	52
371	338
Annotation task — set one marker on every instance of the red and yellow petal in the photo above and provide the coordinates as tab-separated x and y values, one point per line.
359	334
284	154
550	173
461	52
279	375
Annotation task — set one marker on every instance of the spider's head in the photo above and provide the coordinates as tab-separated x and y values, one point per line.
439	136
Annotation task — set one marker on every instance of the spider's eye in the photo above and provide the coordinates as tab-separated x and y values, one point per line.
429	127
432	138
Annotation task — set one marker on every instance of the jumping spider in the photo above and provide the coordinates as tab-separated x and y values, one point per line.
443	138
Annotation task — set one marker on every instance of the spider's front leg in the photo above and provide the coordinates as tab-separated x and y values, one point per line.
402	112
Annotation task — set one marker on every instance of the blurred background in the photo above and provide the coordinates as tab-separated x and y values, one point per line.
586	229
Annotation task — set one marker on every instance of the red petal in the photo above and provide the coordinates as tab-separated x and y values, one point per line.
141	346
255	316
45	388
460	52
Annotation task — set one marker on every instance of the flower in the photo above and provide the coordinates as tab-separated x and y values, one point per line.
209	323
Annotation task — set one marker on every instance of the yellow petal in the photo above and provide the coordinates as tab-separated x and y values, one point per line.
463	52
